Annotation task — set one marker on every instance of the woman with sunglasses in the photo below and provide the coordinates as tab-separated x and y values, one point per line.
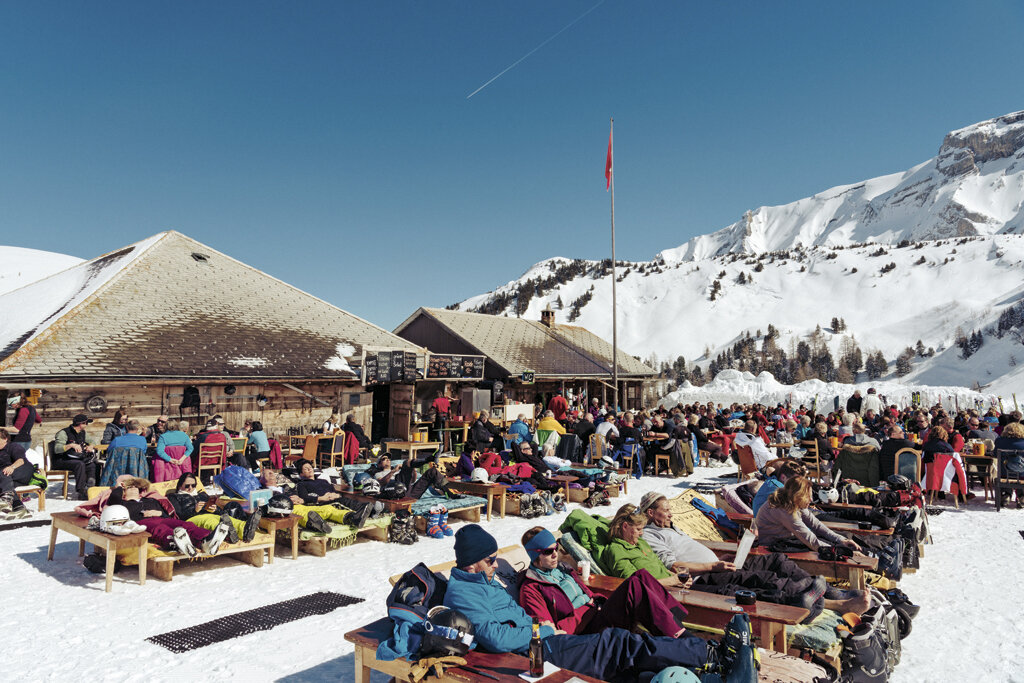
192	505
555	595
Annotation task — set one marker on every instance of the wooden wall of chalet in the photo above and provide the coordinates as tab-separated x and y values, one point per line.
285	407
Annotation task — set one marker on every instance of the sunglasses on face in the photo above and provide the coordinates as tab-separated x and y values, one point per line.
493	559
548	552
188	487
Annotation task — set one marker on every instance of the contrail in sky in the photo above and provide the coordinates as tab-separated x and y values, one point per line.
513	64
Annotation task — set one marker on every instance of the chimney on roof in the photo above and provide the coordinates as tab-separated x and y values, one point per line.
547	316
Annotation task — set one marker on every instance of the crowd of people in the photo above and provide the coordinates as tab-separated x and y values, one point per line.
645	548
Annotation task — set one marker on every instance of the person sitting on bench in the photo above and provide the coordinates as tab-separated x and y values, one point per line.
72	452
787	519
313	500
194	506
772	577
155	513
501	625
555	595
15	470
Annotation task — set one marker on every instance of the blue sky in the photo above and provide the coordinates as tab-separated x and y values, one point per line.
332	145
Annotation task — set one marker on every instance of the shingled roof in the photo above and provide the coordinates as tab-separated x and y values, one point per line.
518	345
169	307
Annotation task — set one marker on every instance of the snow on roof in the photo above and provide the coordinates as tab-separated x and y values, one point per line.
30	309
171	307
20	266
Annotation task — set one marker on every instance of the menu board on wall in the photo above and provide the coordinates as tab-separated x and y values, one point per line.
410	368
385	367
455	367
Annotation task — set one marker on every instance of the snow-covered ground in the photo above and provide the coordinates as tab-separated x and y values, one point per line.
69	629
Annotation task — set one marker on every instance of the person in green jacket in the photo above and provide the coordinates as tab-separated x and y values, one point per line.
628	552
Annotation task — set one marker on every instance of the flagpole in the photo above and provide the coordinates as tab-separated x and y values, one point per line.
615	329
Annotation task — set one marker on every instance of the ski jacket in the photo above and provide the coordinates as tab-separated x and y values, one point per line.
174	438
501	625
545	600
624	559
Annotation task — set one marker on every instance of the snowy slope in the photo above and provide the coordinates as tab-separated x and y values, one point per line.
823	257
19	267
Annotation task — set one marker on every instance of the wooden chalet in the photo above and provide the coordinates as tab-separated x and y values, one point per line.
135	327
528	360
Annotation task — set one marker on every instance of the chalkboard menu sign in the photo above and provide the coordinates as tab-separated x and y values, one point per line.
370	366
410	368
397	366
455	367
384	367
439	367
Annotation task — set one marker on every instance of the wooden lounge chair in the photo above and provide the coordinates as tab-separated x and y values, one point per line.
1004	481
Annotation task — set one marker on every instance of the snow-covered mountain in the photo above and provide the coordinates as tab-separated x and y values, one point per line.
901	258
975	186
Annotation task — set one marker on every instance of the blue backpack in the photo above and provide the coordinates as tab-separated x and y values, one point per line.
415	594
237	482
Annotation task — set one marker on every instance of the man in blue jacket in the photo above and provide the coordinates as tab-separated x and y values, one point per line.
501	625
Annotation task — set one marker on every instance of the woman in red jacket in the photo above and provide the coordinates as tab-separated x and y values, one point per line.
556	596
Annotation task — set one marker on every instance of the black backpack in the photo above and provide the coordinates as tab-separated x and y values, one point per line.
415	594
190	399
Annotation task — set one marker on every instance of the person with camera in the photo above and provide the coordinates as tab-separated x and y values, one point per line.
73	452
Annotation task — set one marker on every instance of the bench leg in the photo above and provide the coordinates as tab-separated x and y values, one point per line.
502	504
143	561
295	541
41	496
490	501
362	671
270	551
772	636
253	557
111	560
857	578
162	570
53	541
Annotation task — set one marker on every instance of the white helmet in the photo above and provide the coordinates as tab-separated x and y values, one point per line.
480	475
113	519
829	495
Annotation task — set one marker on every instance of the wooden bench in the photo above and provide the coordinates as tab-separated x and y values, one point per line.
707	610
769	620
161	564
75	524
503	668
851	570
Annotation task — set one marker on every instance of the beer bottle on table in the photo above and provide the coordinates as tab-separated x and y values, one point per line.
536	652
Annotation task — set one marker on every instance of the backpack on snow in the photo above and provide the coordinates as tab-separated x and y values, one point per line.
237	481
872	649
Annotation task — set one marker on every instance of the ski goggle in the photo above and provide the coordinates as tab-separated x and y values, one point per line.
449	633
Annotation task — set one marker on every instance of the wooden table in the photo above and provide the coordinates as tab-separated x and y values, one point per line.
564	480
412	446
986	467
274	524
488	491
709	609
503	668
851	570
75	524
